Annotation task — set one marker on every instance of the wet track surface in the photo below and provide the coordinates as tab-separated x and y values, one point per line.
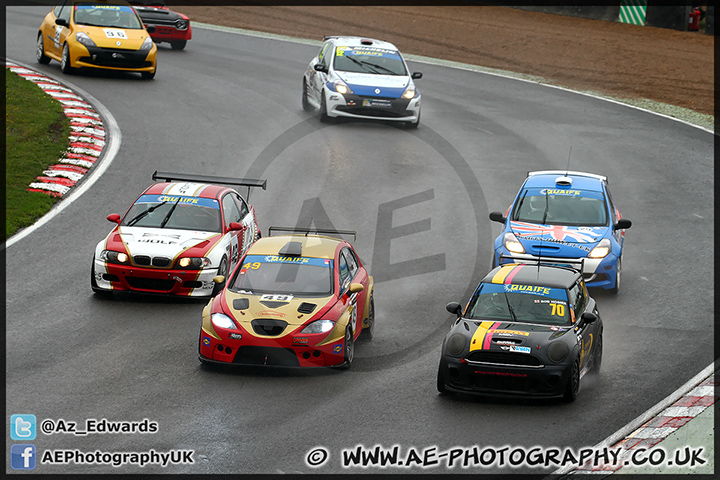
419	200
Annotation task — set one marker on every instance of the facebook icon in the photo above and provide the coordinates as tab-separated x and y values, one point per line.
22	457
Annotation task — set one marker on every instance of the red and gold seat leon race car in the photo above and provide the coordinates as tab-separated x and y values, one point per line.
180	234
295	300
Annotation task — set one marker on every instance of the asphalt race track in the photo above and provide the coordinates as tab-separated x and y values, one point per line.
419	199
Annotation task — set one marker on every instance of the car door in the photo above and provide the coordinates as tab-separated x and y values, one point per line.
56	35
248	219
318	79
235	238
350	272
587	332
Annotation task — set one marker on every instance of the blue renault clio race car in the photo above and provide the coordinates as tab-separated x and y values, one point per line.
568	216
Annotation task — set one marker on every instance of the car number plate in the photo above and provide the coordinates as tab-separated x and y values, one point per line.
367	102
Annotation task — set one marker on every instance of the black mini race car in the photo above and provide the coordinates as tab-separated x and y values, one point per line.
529	330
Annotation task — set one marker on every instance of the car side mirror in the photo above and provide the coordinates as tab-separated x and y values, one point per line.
219	279
589	317
454	307
319	67
416	75
622	223
150	29
114	217
356	287
497	217
61	21
237	226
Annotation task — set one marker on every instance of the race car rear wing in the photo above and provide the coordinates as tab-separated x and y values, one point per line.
569	172
243	182
314	231
549	261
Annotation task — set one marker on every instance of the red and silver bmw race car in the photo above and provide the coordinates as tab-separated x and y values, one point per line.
178	235
296	300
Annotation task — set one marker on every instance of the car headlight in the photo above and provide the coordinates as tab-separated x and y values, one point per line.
409	92
115	257
84	39
511	242
147	44
340	87
601	249
194	263
181	24
319	326
558	351
456	344
221	320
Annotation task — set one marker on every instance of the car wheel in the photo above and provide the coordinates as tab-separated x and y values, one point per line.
222	270
93	284
414	124
441	379
324	117
597	358
40	51
573	384
348	348
148	75
305	103
618	271
179	45
65	66
370	329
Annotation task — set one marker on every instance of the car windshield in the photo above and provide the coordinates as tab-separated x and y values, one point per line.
174	211
561	207
378	61
521	303
104	15
284	275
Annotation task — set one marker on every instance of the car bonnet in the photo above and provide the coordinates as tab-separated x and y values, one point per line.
365	84
164	242
557	240
115	38
294	310
511	336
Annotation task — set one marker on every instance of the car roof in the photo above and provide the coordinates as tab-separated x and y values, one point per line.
532	274
362	42
316	246
187	189
560	179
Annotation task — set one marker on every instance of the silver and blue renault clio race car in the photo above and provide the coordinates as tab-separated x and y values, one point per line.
567	216
361	78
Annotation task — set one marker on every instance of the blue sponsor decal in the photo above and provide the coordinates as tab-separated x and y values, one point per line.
206	341
338	348
546	292
316	262
180	199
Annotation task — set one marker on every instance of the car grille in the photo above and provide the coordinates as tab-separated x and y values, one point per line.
374	112
505	383
115	57
268	326
505	358
145	260
254	355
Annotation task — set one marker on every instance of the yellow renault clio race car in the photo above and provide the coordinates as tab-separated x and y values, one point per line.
105	34
298	300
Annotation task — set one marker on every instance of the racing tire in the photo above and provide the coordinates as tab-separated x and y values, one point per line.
573	384
40	51
65	66
305	103
93	284
441	380
597	358
616	288
369	331
324	117
148	75
222	270
178	45
348	348
414	125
